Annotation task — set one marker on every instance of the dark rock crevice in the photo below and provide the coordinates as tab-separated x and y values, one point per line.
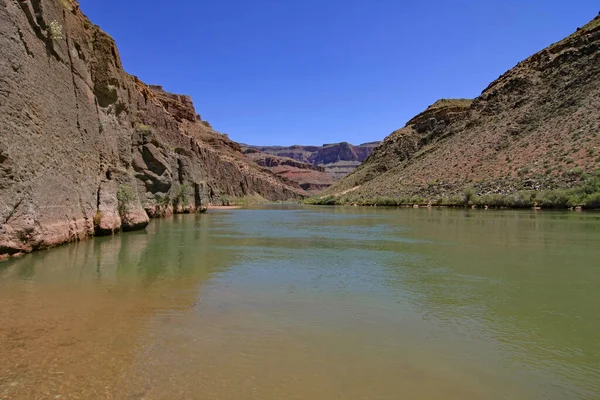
13	210
39	26
73	75
39	13
25	6
29	52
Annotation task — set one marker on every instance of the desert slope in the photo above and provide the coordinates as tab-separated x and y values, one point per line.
535	130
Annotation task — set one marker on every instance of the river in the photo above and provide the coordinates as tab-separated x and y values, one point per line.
299	302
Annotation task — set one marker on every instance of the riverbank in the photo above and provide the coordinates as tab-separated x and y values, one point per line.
210	208
584	196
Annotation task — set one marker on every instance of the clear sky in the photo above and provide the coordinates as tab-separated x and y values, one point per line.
323	71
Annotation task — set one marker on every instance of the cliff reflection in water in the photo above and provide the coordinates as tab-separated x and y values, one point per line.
301	302
72	318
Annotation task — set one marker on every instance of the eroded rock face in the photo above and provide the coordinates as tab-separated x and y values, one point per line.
134	218
77	129
180	106
107	220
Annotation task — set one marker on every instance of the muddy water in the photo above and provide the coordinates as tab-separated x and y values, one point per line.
311	303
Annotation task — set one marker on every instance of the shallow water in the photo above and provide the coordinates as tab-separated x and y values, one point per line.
291	302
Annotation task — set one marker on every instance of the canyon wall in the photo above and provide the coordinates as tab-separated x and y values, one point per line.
86	148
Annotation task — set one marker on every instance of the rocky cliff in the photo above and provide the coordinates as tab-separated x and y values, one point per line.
86	148
534	130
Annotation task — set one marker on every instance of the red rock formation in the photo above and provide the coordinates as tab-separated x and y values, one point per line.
307	176
338	159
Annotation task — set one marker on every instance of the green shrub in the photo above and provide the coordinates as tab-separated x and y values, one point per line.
385	201
163	200
575	172
492	200
126	195
523	171
519	200
224	200
328	201
553	199
144	129
469	196
97	218
183	193
592	201
575	199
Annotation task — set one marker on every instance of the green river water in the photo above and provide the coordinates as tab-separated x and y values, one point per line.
293	302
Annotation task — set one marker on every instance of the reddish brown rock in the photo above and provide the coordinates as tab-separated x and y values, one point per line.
179	106
76	127
309	177
134	218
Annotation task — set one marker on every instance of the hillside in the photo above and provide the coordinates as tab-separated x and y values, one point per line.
531	137
88	149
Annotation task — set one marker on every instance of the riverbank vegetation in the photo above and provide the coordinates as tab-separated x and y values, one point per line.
585	195
247	200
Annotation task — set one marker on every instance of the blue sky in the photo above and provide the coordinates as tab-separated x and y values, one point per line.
323	71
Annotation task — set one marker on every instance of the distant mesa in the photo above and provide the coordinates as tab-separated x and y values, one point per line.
314	168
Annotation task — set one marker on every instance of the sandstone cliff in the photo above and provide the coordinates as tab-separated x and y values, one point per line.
535	129
86	148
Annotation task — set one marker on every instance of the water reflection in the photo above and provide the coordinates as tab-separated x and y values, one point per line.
71	317
311	302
